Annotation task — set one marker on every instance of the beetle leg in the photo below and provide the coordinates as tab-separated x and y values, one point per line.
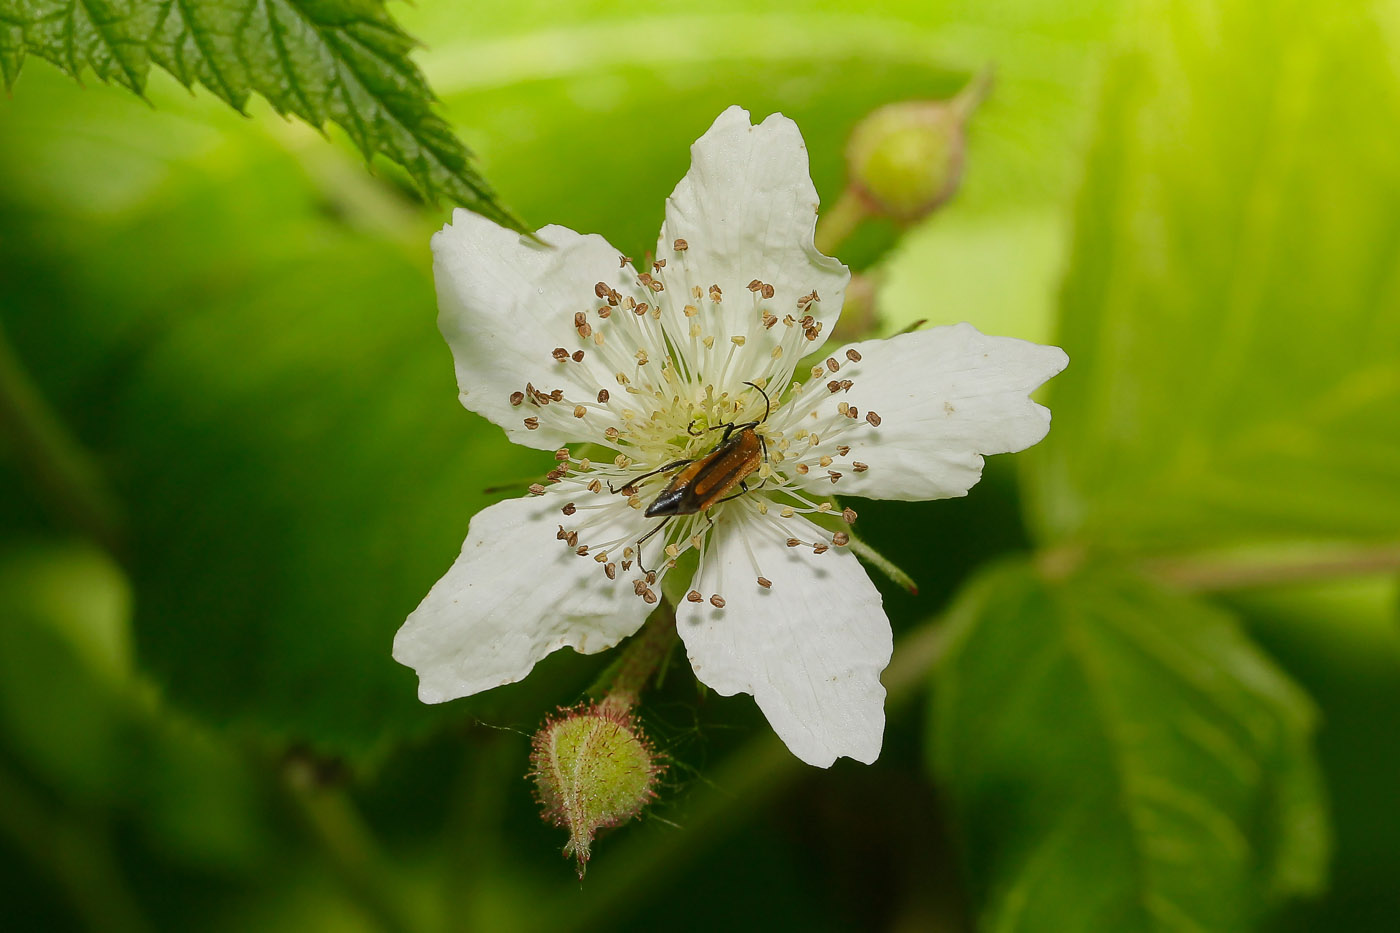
636	479
643	539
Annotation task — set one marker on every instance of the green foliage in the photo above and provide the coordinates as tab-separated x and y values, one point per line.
345	61
1122	758
1230	307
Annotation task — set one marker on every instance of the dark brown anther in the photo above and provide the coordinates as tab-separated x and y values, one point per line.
517	397
568	509
793	542
577	356
629	491
648	596
767	290
694	597
585	330
811	333
831	364
820	548
755	285
853	413
536	489
622	262
834	476
846	385
833	387
557	395
716	294
848	515
560	354
766	583
556	474
717	601
602	290
605	312
611	570
626	566
641	309
651	576
840	539
581	550
532	423
853	355
562	535
680	246
658	265
603	395
639	586
859	467
572	539
873	418
805	300
580	318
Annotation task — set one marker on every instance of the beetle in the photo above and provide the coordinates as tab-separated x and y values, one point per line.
705	482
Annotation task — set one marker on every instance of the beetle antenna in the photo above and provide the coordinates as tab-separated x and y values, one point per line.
767	404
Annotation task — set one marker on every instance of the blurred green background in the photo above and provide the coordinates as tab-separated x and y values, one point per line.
1152	677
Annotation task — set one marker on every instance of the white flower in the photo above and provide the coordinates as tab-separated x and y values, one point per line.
566	343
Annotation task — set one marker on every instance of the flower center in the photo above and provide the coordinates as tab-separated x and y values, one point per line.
680	389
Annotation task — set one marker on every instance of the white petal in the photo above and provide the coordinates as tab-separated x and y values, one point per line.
946	397
810	649
747	210
514	595
506	302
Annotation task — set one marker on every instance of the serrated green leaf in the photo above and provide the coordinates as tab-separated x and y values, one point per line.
342	61
1231	307
1122	758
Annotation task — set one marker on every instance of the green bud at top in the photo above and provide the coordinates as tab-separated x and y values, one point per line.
593	769
905	159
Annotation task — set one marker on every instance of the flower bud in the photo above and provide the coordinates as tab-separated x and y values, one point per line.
593	769
905	159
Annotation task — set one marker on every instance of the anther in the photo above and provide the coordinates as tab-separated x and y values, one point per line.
571	539
517	397
622	262
602	290
602	395
595	486
584	330
716	294
680	246
843	450
648	596
765	583
577	356
840	539
853	413
717	601
557	395
843	407
738	341
805	300
580	318
558	473
820	548
853	355
641	309
824	462
651	576
658	265
694	597
580	411
767	290
562	535
611	570
834	476
859	467
532	423
848	515
581	550
755	285
831	364
793	542
569	508
536	489
626	564
802	468
605	312
561	454
639	586
873	418
611	434
560	354
846	385
833	386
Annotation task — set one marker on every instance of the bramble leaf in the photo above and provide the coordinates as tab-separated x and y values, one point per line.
343	61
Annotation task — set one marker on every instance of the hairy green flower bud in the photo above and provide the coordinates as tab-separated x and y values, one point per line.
593	769
905	159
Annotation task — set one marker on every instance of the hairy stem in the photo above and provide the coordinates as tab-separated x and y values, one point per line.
641	659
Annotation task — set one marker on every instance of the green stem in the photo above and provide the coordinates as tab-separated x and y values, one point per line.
839	221
1221	573
641	658
54	460
349	847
